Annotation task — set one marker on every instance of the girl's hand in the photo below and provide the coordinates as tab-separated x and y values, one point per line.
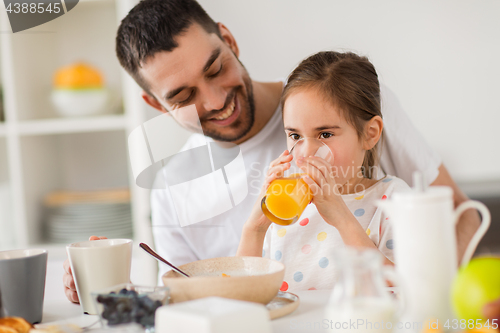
326	196
255	228
257	220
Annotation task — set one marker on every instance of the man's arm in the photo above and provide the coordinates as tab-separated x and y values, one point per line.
469	221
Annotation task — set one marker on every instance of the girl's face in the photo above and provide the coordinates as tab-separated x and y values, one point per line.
307	114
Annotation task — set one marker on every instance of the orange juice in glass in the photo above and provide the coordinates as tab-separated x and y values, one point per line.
287	197
285	200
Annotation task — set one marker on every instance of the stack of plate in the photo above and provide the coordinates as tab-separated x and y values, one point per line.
75	216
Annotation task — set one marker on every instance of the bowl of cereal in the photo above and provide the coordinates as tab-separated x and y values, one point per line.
253	279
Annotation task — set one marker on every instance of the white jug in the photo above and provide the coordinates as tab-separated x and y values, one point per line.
425	249
360	302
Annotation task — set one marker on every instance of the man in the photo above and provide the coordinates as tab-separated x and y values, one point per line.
180	56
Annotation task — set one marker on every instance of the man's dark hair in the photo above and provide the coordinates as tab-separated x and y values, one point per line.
151	27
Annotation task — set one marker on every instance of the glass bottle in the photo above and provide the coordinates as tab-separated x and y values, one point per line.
361	300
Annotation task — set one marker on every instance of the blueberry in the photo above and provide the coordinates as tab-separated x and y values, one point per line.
157	304
139	314
105	299
147	321
147	303
125	318
140	300
122	307
113	319
106	313
134	302
123	292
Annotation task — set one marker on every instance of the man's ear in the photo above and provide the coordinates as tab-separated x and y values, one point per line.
152	101
373	132
228	38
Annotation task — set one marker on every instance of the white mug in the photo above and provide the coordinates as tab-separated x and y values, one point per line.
97	265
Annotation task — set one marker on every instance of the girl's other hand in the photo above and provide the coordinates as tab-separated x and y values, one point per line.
255	228
257	220
276	169
320	179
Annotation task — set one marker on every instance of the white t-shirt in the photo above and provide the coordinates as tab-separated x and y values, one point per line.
403	152
306	247
218	236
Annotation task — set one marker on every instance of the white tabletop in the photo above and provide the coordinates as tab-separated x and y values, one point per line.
308	316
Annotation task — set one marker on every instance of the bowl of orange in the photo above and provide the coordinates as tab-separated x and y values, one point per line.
79	90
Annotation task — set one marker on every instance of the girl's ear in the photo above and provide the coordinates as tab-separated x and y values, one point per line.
373	132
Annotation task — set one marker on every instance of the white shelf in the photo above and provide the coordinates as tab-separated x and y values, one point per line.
40	151
85	34
72	125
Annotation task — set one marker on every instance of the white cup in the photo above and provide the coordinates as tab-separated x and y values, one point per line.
97	265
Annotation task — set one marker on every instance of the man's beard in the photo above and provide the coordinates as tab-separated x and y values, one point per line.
245	120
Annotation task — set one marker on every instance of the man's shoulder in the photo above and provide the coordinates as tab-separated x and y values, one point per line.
391	106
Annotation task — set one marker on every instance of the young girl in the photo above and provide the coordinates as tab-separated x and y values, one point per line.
333	97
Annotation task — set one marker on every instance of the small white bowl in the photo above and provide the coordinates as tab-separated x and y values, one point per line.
77	103
253	279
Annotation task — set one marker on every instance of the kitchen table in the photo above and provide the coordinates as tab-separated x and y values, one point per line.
308	317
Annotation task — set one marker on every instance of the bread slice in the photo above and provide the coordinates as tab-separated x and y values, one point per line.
18	324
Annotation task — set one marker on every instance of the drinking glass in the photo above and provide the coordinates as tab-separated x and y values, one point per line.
288	196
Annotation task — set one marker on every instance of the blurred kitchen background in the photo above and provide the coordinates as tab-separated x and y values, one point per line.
64	171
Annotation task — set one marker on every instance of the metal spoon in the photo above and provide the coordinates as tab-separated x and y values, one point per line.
146	248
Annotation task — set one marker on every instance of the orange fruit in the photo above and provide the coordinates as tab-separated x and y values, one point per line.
78	76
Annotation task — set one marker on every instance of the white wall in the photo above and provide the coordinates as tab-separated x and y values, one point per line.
441	58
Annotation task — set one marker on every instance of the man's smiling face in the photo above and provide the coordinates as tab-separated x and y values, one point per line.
205	71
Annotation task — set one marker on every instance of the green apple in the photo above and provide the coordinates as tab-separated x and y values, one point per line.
475	285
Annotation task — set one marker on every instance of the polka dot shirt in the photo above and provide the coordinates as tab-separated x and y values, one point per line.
306	247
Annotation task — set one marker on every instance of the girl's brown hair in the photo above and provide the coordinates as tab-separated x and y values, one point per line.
349	82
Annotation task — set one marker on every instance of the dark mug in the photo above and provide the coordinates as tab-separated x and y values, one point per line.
22	283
